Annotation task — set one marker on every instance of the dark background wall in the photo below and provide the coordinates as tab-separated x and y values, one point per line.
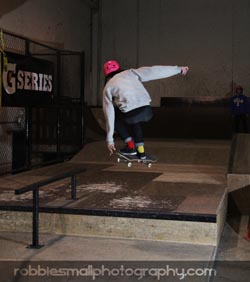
210	36
61	24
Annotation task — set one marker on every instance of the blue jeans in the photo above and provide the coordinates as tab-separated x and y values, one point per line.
129	124
241	120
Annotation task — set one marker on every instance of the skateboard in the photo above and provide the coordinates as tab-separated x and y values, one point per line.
129	159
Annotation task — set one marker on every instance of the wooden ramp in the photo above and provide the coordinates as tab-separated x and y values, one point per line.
182	198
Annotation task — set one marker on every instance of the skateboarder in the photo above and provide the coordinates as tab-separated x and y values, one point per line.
126	103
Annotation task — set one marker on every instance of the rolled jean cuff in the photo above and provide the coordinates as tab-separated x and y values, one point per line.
139	144
128	139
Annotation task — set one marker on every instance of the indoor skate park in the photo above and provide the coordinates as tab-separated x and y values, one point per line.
64	200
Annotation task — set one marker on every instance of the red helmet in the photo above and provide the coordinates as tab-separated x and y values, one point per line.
110	66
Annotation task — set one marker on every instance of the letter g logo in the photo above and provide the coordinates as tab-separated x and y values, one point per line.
9	80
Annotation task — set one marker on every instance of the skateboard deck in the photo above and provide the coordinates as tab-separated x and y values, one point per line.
129	159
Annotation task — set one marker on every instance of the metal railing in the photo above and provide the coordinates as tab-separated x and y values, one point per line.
34	187
37	134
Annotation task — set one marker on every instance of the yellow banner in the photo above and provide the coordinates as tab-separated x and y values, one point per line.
3	64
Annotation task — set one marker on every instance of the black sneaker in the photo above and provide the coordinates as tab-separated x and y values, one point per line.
141	156
128	152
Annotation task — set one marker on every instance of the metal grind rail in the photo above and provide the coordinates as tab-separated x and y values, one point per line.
34	187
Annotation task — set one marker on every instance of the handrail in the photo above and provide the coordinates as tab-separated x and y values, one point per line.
34	187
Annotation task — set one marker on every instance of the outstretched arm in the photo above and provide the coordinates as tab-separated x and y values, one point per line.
157	72
109	113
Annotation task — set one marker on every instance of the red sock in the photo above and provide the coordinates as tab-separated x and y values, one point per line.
131	144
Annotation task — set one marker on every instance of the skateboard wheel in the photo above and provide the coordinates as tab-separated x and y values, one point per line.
149	165
129	164
118	160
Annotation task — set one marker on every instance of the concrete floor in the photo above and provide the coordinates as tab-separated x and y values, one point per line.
233	256
72	248
72	251
232	259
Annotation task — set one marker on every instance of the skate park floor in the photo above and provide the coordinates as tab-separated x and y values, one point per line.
189	185
195	181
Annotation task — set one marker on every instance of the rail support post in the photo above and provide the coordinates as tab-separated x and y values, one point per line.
73	187
35	232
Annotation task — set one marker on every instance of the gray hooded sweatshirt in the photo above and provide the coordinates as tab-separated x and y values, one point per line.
126	91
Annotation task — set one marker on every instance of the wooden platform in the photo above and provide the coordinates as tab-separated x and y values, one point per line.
182	198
